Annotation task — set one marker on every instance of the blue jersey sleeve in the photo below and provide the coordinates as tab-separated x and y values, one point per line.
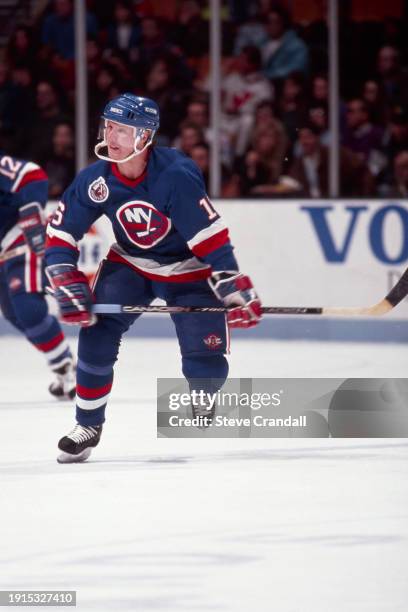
195	218
36	191
74	216
22	182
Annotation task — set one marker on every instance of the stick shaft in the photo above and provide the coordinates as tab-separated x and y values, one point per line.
399	291
119	309
378	309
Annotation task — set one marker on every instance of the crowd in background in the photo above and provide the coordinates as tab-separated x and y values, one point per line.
274	129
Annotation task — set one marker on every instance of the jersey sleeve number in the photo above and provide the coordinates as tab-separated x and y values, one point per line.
208	207
9	167
58	214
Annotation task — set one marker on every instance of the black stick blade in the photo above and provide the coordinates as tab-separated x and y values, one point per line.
399	291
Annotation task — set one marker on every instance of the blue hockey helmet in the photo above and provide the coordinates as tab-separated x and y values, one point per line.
142	114
134	111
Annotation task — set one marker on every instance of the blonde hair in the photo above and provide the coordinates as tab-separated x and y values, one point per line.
275	158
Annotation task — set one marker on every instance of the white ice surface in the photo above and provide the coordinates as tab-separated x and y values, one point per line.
225	525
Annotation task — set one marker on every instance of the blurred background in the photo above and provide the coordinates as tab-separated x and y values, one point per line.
296	113
272	127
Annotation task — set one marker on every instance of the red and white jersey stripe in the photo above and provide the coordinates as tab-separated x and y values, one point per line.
29	173
184	271
209	239
60	238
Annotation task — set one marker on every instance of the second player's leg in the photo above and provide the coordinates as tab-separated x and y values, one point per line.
24	305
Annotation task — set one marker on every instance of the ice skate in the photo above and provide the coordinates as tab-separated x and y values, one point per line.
78	444
202	411
63	388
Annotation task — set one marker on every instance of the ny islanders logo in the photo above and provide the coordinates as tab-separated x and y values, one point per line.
98	190
142	223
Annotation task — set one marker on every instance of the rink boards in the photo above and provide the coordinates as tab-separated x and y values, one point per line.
309	253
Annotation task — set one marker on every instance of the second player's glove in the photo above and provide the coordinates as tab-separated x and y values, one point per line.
33	228
71	290
236	291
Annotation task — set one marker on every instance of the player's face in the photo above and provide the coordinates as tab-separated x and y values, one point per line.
120	139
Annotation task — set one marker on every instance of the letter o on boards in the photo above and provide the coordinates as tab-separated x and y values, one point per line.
377	234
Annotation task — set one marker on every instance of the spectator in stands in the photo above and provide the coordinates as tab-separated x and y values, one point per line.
251	32
293	105
122	67
100	92
200	153
22	77
265	120
171	99
396	141
190	136
123	31
154	46
262	166
48	113
310	170
11	103
364	138
400	184
373	96
243	90
197	113
318	116
94	59
20	50
396	138
190	32
393	78
58	30
320	90
105	84
58	43
60	165
284	52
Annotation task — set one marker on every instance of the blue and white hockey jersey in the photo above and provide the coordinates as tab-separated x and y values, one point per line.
21	182
164	223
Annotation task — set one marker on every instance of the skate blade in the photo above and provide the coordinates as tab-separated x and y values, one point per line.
68	458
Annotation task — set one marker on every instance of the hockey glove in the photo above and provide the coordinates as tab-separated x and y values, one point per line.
236	291
31	224
71	290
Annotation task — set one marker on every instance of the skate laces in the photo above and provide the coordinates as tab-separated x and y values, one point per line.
82	434
201	409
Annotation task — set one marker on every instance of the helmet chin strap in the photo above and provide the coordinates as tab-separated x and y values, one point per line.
135	152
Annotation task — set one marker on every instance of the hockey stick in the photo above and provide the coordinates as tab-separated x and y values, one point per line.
397	293
20	250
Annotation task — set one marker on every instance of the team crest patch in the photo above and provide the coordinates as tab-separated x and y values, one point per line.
212	341
98	190
142	223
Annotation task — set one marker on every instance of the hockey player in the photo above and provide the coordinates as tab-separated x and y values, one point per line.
171	244
23	196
